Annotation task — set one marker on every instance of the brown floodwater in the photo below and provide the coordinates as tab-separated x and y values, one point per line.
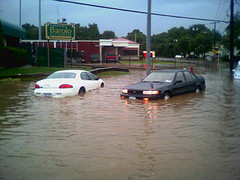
101	136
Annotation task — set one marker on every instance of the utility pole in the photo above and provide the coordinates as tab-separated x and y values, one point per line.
148	37
39	29
20	13
232	36
214	38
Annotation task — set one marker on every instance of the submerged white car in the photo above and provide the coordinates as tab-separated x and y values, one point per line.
236	74
67	83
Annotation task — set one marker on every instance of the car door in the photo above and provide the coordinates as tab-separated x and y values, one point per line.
190	82
86	81
94	80
179	84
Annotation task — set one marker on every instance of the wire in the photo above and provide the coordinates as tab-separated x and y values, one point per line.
140	12
218	9
237	2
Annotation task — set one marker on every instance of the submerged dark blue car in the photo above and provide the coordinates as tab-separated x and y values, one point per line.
164	84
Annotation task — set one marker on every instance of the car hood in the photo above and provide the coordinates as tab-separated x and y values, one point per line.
147	86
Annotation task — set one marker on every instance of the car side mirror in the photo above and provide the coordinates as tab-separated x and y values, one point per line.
177	82
233	70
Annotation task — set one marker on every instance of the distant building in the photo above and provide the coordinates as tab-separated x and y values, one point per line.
121	47
12	34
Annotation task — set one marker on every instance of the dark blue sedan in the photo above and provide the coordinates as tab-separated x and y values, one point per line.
164	84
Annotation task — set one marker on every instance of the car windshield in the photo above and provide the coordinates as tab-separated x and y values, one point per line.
62	76
238	68
160	77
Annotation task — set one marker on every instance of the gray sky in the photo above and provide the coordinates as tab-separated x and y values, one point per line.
119	22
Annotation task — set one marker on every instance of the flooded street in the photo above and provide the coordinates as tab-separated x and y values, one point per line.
101	136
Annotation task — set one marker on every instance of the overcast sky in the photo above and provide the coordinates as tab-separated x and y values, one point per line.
119	22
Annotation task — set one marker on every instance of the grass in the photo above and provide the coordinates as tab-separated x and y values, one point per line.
27	70
111	73
5	73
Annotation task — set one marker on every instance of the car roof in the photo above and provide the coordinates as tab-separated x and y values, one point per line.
70	70
170	70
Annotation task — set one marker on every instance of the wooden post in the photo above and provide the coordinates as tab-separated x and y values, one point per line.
48	53
71	53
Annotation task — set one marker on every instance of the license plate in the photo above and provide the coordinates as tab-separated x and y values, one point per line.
132	97
48	94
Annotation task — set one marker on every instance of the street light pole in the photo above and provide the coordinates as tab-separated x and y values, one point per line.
148	37
20	13
39	29
231	36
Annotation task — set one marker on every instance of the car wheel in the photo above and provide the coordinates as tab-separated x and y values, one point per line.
198	89
82	91
166	95
102	85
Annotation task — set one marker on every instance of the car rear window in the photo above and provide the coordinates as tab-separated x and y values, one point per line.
62	76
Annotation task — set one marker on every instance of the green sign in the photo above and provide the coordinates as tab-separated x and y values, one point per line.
60	31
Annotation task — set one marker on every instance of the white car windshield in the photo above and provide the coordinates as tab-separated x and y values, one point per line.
62	76
238	68
160	77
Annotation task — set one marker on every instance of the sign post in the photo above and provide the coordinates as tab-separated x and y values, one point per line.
59	32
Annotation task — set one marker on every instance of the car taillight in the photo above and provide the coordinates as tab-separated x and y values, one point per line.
65	86
37	86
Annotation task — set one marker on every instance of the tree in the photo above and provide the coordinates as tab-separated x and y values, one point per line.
93	32
87	33
108	35
31	31
2	48
236	38
200	39
137	36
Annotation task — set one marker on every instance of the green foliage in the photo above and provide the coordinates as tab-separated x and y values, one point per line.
14	57
137	36
197	39
87	33
108	35
1	43
226	38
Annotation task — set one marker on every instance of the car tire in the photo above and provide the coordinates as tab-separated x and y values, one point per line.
198	89
81	91
166	95
102	85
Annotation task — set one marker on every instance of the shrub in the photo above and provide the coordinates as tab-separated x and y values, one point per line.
14	57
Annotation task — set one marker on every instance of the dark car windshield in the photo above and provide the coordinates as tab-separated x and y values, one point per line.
62	76
160	77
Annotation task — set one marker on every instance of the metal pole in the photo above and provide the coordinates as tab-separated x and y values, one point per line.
39	29
20	13
231	36
48	47
148	37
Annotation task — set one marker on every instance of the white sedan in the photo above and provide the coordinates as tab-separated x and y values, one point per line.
67	83
236	74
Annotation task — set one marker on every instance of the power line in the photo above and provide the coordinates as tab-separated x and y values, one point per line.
237	3
140	12
218	9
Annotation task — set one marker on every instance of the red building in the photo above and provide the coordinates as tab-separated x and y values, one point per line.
119	47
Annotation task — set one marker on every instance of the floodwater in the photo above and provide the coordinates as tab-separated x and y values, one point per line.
101	136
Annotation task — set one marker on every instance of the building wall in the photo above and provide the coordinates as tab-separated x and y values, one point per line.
87	48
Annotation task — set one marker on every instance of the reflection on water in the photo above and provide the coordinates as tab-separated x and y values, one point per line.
101	136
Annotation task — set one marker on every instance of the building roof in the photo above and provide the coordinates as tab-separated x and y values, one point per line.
123	39
9	29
